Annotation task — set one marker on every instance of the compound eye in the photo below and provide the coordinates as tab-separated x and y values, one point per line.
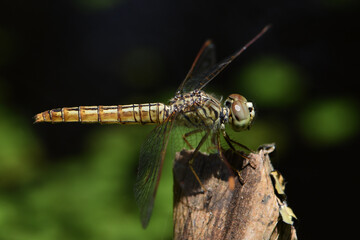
240	111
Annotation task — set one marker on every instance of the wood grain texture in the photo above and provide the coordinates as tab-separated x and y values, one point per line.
250	211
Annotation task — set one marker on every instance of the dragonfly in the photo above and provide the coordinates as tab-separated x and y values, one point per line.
190	108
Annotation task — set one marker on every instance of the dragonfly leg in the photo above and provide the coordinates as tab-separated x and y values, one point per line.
230	141
238	172
186	135
196	151
228	165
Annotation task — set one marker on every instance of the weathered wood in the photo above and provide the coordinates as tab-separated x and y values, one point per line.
250	211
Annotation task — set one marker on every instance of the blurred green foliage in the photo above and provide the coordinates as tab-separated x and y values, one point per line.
331	121
90	195
260	133
279	85
19	150
271	81
83	197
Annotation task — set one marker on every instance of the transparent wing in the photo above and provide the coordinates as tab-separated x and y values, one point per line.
152	156
193	137
200	79
204	60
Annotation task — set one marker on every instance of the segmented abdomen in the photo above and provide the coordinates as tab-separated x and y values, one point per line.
124	114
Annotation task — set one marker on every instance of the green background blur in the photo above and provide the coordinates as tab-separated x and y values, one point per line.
73	181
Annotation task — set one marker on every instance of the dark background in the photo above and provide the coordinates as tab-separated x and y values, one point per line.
56	180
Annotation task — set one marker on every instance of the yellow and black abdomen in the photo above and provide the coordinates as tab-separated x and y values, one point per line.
148	113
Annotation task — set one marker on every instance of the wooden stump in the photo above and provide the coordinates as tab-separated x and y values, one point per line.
250	211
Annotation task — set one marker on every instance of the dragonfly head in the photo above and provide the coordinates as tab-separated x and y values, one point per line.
241	112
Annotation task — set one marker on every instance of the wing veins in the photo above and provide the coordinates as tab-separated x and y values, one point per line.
200	80
152	157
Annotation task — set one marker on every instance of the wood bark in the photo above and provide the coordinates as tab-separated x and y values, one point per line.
250	211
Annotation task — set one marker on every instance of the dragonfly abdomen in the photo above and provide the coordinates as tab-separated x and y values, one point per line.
148	113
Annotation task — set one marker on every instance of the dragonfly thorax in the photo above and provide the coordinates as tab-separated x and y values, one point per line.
197	109
241	112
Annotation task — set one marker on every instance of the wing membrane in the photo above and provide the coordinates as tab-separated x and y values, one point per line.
197	80
152	156
204	60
